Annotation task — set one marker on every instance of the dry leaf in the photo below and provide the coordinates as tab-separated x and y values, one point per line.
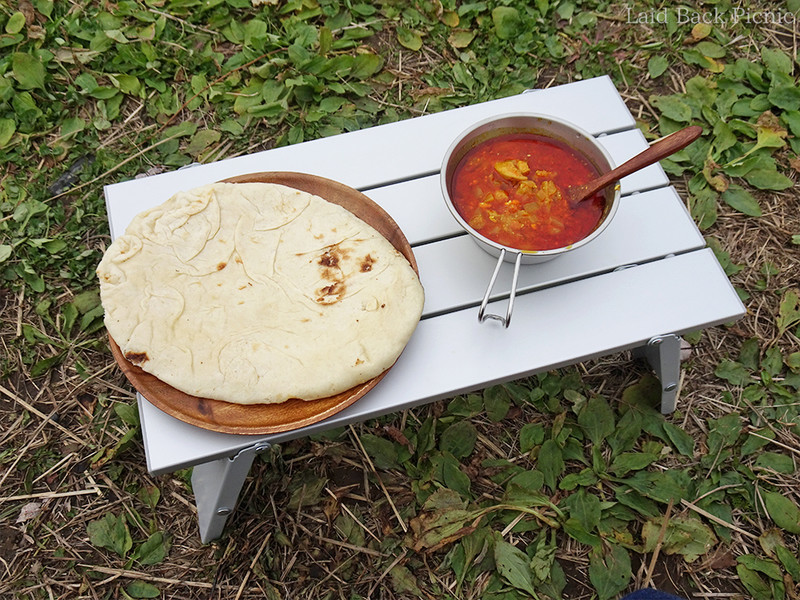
30	511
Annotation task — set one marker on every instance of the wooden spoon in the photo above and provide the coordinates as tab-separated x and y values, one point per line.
660	149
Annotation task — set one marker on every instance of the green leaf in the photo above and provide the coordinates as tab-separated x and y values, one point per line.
7	129
69	313
404	581
551	463
507	22
776	60
597	419
43	366
673	107
382	451
305	490
142	589
544	556
768	179
752	581
636	501
740	199
15	23
681	441
180	130
153	550
201	140
632	461
111	533
786	97
128	413
459	439
149	495
710	49
27	70
496	401
723	257
789	561
513	565
524	488
788	312
365	65
530	436
5	252
610	571
657	65
451	475
703	207
725	430
756	440
732	372
782	510
409	38
627	432
749	353
461	39
780	463
792	120
584	508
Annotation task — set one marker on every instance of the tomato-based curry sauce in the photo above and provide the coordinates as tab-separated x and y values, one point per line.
511	189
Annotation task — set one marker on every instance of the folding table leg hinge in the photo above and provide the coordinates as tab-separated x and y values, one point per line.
216	486
663	353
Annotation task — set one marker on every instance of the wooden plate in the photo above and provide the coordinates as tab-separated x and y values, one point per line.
226	417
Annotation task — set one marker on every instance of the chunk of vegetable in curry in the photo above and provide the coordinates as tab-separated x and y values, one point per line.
511	190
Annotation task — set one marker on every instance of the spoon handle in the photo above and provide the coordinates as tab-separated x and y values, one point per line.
660	149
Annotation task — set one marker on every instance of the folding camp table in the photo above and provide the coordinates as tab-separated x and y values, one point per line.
648	279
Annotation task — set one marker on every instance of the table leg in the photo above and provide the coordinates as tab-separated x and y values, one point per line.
216	487
663	353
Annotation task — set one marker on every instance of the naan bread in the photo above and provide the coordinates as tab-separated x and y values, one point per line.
257	293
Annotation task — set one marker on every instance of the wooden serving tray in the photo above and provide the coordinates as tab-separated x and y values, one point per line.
257	419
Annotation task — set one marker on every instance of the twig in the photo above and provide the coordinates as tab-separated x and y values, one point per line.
717	520
55	467
51	495
145	577
252	566
11	395
117	167
648	577
327	540
385	572
380	482
777	443
355	518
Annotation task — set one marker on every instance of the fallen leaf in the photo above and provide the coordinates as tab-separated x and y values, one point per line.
687	536
30	511
699	32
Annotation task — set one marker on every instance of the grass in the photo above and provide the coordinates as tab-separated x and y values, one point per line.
568	484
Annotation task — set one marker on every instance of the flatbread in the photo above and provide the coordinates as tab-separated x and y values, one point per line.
257	293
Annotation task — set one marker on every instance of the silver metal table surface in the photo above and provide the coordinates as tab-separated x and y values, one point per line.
648	279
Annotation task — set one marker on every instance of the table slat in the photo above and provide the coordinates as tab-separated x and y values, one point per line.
674	295
372	157
647	226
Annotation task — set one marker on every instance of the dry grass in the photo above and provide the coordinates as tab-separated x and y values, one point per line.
52	430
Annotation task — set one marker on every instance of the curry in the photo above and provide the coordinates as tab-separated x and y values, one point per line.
510	189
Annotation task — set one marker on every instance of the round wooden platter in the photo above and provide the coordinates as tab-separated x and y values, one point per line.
258	419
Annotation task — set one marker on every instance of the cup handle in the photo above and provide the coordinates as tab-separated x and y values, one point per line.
482	314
